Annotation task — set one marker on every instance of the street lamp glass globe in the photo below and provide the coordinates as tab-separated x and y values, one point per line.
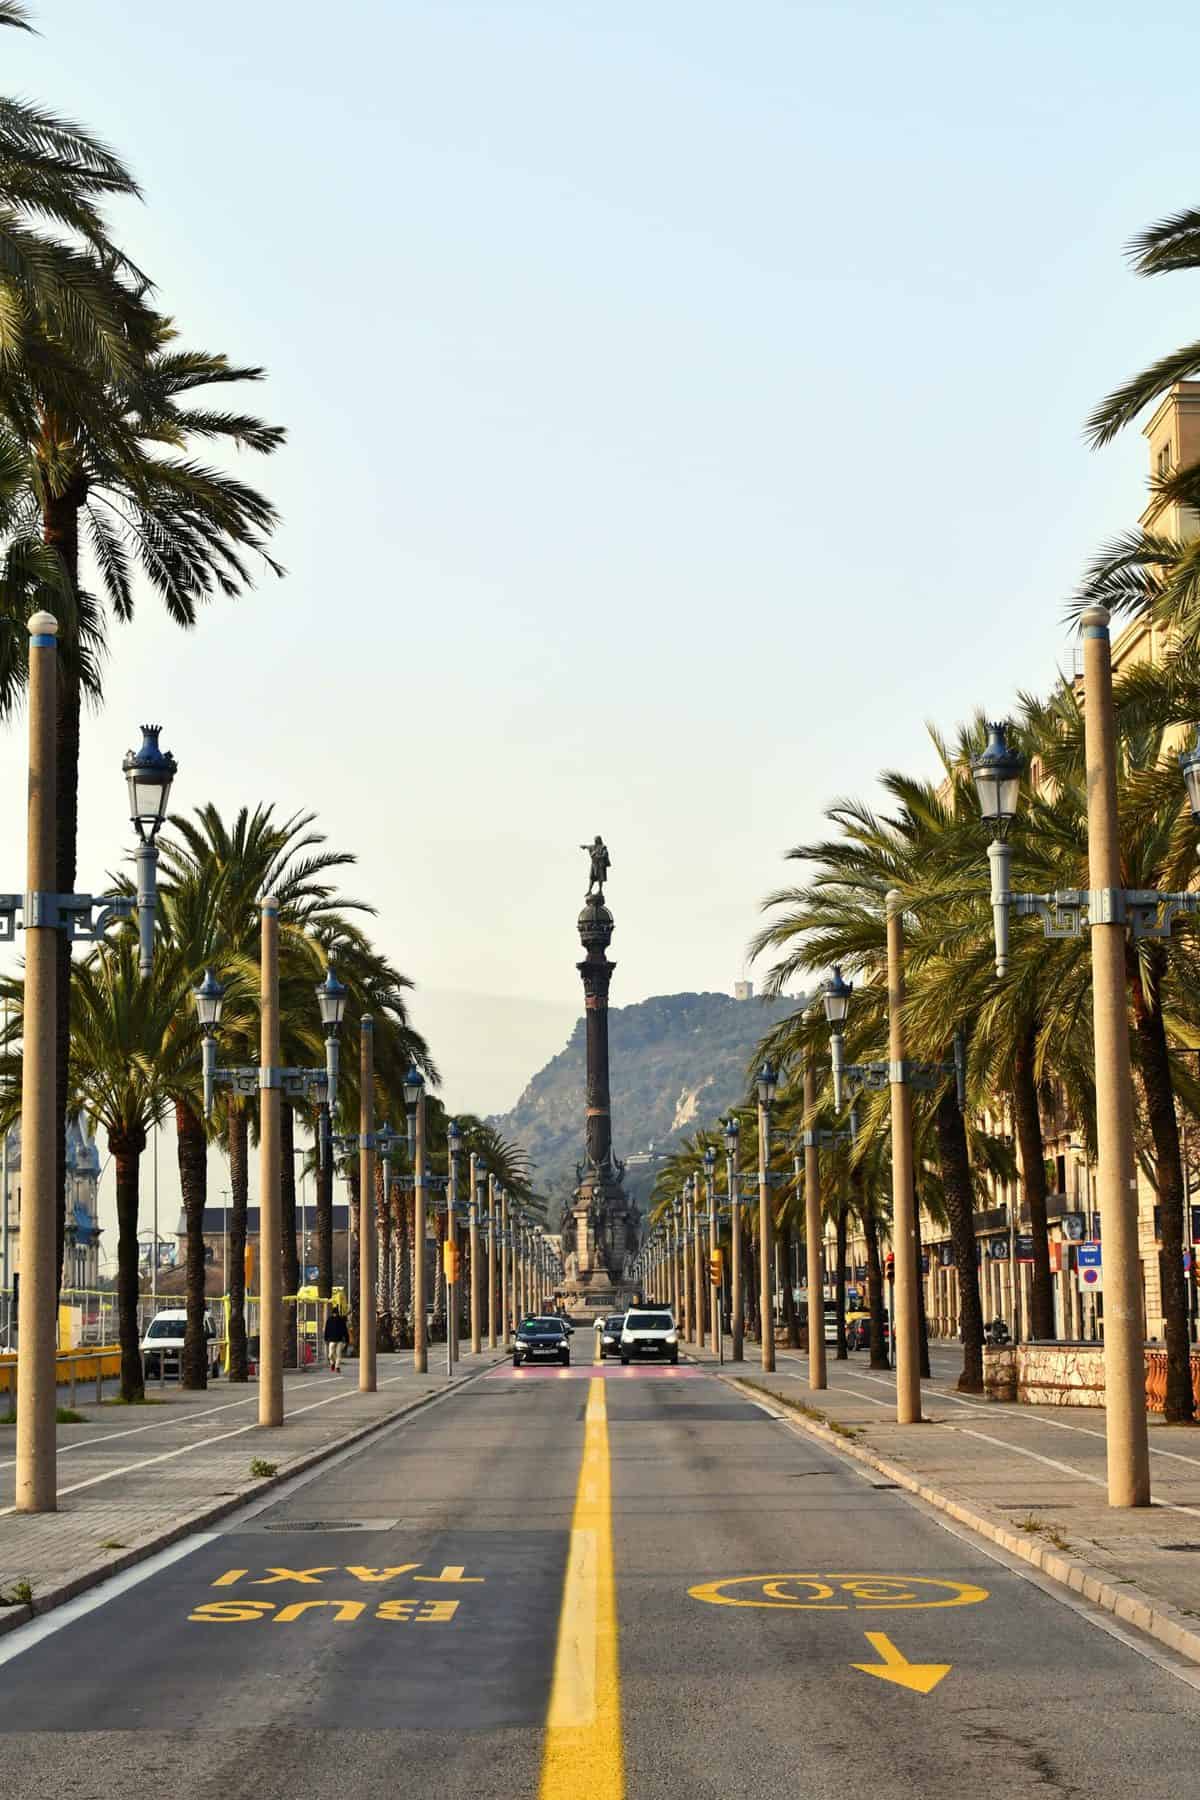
414	1086
1189	762
836	998
331	998
148	773
209	998
732	1133
767	1083
710	1159
997	771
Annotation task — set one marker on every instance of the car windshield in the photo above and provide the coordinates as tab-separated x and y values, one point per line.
172	1328
541	1325
648	1322
615	1323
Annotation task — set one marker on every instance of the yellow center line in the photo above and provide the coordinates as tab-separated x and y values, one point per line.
583	1751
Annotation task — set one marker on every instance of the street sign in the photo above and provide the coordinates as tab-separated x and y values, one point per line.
1088	1265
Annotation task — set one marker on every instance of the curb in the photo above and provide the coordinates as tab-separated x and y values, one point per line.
1125	1603
209	1514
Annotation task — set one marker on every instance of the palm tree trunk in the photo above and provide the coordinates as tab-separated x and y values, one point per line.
352	1182
1028	1120
956	1182
235	1274
60	530
919	1278
879	1351
402	1278
192	1142
1154	1067
383	1216
291	1256
439	1276
839	1298
127	1150
324	1207
790	1321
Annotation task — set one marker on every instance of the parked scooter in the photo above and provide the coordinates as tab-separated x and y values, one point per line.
997	1333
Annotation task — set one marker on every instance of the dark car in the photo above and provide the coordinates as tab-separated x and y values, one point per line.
858	1331
541	1339
610	1335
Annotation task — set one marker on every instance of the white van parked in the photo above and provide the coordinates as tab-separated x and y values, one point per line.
163	1343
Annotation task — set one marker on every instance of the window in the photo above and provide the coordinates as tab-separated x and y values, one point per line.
1164	461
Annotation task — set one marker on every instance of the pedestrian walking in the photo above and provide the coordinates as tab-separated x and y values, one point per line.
337	1336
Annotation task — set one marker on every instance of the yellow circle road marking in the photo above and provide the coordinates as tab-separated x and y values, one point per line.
839	1593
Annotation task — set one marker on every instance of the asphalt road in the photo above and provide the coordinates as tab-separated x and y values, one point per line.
600	1583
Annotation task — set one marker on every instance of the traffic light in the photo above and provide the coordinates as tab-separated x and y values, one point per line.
450	1261
714	1268
891	1266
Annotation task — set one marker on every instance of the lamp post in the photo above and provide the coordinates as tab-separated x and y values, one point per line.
710	1163
450	1247
414	1106
148	773
817	1378
504	1319
1109	909
491	1181
46	914
900	1074
732	1132
368	1253
473	1241
673	1252
766	1084
270	1082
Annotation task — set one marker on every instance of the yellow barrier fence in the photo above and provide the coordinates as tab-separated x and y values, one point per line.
79	1365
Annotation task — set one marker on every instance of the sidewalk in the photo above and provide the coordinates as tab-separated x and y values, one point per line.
132	1479
1030	1479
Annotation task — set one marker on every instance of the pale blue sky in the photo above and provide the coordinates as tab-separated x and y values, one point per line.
684	400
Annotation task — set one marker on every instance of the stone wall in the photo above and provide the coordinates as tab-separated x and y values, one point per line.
1065	1374
1045	1374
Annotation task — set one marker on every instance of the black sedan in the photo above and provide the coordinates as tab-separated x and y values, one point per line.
610	1335
541	1340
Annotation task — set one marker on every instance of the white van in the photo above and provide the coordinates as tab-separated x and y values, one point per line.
163	1343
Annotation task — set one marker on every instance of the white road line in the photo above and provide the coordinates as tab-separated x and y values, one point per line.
1052	1424
26	1636
110	1437
219	1437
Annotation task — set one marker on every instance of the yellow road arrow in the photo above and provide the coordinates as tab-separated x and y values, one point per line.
921	1677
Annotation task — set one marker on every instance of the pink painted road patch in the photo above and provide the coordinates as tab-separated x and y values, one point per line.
594	1372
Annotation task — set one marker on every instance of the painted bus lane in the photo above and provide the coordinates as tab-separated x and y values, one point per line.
375	1628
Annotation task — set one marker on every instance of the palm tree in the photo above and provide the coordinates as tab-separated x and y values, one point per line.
840	917
129	1063
214	876
54	174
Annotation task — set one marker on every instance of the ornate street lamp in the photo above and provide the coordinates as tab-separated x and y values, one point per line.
149	773
766	1084
414	1107
836	1001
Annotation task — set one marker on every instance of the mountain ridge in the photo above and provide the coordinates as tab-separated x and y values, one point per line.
676	1061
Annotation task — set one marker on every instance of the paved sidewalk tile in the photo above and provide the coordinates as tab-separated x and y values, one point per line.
1034	1471
131	1476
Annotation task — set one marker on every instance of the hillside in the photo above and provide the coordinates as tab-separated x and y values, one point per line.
676	1061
